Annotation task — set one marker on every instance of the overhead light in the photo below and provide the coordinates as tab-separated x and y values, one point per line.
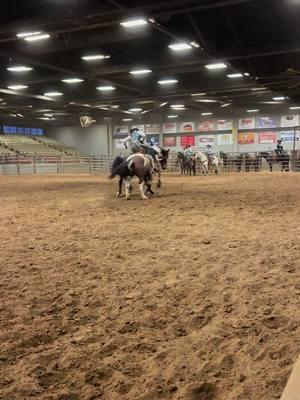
20	115
13	115
140	71
198	94
167	81
145	111
207	101
237	75
35	38
127	119
252	111
46	118
294	108
163	104
72	80
133	22
271	102
17	87
48	115
177	105
53	94
180	109
195	44
225	105
206	113
180	46
93	57
216	66
258	88
115	107
106	88
27	34
21	68
172	116
278	98
246	74
135	109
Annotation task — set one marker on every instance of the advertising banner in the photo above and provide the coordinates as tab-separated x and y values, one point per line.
225	139
120	131
247	123
246	138
225	124
152	129
205	139
119	144
206	126
267	137
188	127
155	139
187	141
266	122
170	127
288	121
169	141
288	136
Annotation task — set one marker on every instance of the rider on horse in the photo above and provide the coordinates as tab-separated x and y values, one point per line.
188	152
279	148
137	144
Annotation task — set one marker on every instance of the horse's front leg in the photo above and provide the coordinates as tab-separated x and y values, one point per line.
141	185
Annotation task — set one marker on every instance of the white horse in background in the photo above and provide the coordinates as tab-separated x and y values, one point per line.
215	163
202	158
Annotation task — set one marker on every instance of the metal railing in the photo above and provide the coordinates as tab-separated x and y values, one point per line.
16	164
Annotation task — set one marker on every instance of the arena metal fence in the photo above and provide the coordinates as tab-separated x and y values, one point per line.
20	165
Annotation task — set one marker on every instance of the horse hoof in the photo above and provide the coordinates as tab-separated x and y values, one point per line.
118	195
145	198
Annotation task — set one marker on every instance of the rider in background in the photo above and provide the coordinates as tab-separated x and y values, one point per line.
188	152
279	148
209	150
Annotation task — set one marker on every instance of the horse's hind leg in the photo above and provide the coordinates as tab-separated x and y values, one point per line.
127	188
141	185
120	187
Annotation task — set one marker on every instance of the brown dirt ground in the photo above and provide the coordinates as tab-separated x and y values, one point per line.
191	295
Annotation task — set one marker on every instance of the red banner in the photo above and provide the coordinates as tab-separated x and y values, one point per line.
267	137
187	141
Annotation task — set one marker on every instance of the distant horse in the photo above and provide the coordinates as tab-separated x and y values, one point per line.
214	161
273	158
137	165
252	160
232	159
187	164
202	158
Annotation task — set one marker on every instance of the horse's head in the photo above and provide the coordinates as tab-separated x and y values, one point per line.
164	158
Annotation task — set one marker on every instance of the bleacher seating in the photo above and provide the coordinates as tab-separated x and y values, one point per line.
69	150
4	151
26	145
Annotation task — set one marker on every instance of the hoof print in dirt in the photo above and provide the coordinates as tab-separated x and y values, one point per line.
205	391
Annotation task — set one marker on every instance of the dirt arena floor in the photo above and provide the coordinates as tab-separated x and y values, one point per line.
192	295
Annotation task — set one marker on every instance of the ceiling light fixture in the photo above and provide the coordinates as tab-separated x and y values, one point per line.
106	88
48	115
17	87
21	68
236	75
225	105
172	116
140	71
180	46
207	101
198	94
167	81
53	94
216	66
35	38
278	98
206	113
195	44
272	102
252	111
177	105
72	80
26	34
163	104
294	108
246	74
127	119
94	57
131	23
258	88
135	109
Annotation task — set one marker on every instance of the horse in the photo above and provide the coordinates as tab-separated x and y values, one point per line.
252	160
231	159
137	165
202	158
187	164
162	157
273	158
214	161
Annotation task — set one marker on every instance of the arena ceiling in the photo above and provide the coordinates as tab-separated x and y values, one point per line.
257	40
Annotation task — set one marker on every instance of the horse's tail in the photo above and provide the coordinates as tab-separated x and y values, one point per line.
117	166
